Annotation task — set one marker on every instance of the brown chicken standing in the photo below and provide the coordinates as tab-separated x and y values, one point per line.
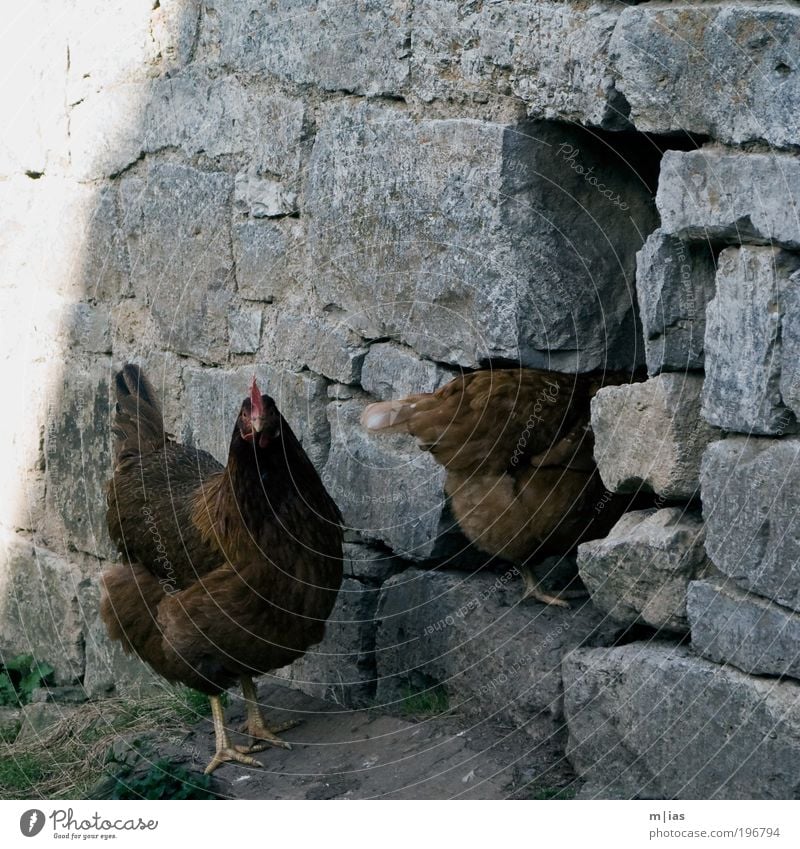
227	572
518	449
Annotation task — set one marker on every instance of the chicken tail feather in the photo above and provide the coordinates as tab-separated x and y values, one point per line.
389	416
138	424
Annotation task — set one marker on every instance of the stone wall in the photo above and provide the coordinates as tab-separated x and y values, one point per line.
359	200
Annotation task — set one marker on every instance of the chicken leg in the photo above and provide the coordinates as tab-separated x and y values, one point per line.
225	752
256	726
533	589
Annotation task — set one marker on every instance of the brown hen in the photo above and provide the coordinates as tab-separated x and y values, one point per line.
227	571
518	449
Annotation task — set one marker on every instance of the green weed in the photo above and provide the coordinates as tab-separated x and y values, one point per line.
162	780
20	676
429	702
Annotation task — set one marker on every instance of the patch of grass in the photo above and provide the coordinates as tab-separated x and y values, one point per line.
19	775
67	760
548	793
8	730
192	705
20	676
431	701
163	780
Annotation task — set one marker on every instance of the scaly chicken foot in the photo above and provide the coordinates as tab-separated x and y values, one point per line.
225	753
255	725
533	589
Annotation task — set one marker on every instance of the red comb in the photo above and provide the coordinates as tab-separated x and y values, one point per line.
257	408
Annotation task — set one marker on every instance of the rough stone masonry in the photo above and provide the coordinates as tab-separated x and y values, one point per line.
360	200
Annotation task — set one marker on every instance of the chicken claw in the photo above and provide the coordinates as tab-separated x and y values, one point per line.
533	589
264	736
255	726
225	753
544	598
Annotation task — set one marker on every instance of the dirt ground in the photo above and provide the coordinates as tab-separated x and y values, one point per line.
344	754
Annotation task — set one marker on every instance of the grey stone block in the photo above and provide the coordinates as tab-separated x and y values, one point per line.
552	56
86	256
370	565
360	48
789	304
753	634
640	572
224	118
747	48
730	196
269	256
494	657
751	489
653	721
39	610
77	449
557	226
674	283
116	64
127	41
212	398
386	488
105	263
651	435
394	371
177	224
743	341
259	197
244	329
107	130
69	694
341	668
322	342
88	327
173	30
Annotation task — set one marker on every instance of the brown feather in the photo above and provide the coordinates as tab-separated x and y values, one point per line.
518	449
229	570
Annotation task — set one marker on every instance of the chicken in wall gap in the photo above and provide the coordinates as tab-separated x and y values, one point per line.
518	448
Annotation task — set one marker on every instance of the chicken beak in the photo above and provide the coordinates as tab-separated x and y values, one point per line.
256	408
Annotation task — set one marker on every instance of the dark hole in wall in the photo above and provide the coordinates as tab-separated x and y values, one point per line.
641	153
578	204
640	633
631	374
